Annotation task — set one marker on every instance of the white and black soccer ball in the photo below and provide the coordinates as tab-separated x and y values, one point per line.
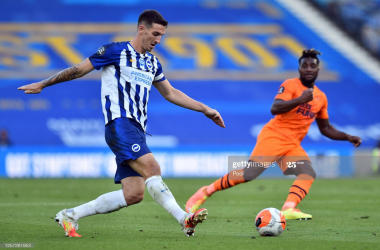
270	222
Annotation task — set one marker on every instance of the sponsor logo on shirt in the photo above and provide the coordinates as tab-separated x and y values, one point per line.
141	77
305	110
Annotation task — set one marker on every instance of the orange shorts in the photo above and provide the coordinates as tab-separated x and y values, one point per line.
273	147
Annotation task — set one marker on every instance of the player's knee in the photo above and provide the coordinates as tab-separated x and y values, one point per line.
313	174
249	176
138	198
252	173
309	171
133	195
151	170
134	199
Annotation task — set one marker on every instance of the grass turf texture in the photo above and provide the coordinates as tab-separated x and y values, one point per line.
345	216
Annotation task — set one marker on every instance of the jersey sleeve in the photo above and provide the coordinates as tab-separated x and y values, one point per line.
159	76
286	91
106	55
322	114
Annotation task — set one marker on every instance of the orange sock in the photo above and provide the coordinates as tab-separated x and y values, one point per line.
298	191
229	180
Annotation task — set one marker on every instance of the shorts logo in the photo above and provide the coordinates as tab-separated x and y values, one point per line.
149	64
101	50
142	62
135	147
281	90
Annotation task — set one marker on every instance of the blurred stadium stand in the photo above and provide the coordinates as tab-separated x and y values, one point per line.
231	55
360	19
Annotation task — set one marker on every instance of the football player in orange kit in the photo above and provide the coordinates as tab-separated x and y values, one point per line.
298	103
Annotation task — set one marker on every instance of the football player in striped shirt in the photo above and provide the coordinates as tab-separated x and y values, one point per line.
128	72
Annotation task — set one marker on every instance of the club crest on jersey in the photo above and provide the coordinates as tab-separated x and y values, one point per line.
149	64
136	147
142	62
281	90
101	50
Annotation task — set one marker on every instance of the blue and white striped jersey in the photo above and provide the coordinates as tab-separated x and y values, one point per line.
127	78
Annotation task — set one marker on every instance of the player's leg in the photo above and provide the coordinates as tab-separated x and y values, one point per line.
132	192
236	177
117	134
106	203
229	180
133	189
268	149
301	186
149	169
126	138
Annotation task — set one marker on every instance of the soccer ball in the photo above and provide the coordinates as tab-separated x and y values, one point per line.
270	222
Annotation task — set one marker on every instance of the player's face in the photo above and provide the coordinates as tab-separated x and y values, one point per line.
152	36
308	69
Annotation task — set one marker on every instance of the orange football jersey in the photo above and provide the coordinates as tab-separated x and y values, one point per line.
295	123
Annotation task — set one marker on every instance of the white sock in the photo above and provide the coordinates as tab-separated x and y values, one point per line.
162	195
105	203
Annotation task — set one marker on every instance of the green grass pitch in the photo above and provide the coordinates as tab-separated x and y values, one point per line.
346	216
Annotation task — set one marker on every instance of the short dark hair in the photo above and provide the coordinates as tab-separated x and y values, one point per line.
311	53
149	17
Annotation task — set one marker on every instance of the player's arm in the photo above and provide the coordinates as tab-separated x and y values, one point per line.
177	97
329	131
280	106
65	75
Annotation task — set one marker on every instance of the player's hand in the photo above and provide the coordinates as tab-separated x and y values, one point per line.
33	88
215	117
307	95
356	140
